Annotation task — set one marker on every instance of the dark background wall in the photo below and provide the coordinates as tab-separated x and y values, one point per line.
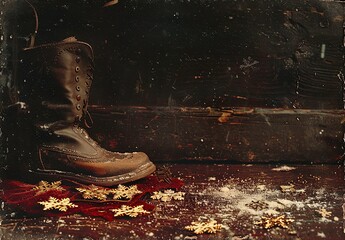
241	80
208	53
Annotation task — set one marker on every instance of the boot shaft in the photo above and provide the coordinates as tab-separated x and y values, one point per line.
44	137
55	80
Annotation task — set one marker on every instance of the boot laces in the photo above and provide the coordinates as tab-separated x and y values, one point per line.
87	119
85	135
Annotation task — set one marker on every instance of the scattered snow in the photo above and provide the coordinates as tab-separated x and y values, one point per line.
283	168
321	234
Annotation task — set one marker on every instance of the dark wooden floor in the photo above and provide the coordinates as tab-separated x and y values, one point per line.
214	191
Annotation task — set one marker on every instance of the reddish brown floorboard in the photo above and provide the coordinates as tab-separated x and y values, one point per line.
219	191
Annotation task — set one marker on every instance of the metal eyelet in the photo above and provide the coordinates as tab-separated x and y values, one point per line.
77	69
77	88
77	59
77	78
78	51
78	97
78	107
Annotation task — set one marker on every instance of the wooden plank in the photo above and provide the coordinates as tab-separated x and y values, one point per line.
238	134
220	191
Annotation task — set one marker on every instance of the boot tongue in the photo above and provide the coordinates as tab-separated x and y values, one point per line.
70	39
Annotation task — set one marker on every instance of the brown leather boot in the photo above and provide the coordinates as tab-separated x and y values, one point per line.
53	83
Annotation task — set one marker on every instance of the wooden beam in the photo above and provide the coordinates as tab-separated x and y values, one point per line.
237	134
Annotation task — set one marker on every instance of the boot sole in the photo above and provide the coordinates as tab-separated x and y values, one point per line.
54	175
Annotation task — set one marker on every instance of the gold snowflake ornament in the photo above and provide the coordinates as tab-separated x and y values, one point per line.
44	186
124	192
101	193
94	192
273	221
168	195
204	227
324	213
129	211
58	204
288	188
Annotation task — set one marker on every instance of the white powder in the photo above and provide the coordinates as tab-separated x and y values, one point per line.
261	187
253	199
315	205
321	234
325	220
234	199
283	168
288	203
227	192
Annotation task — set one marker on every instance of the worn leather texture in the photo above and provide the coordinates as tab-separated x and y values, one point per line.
56	79
54	82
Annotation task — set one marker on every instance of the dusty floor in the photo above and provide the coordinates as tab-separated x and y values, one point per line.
236	196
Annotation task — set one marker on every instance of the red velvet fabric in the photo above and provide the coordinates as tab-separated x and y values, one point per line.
21	196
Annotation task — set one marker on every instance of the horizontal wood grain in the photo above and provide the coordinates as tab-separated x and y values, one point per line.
233	134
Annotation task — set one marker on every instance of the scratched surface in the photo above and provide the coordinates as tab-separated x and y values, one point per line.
233	134
219	191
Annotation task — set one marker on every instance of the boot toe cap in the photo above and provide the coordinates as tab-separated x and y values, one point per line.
132	163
